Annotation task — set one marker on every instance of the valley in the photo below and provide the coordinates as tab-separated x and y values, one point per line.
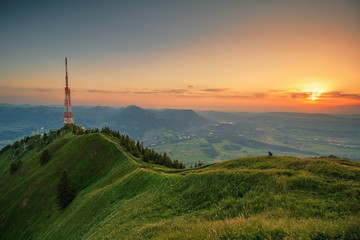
207	136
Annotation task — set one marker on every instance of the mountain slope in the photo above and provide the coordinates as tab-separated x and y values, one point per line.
182	119
137	121
248	198
86	159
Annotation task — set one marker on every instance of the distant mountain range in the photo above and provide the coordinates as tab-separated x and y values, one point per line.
205	136
18	121
137	121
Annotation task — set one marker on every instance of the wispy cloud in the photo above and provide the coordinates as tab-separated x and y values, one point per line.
324	95
300	95
338	94
174	91
44	90
29	89
215	89
106	91
190	85
274	91
143	92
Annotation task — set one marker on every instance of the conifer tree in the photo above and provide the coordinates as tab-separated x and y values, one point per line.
14	167
45	137
136	152
65	193
45	157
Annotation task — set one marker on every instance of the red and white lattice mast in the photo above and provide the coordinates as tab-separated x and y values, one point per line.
68	117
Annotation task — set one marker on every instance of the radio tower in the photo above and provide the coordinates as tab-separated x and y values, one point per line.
68	117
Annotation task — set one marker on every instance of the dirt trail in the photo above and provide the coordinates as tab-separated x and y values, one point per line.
119	147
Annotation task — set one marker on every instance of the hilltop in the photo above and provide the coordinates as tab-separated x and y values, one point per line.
118	196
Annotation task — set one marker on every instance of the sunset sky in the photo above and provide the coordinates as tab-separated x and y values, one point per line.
205	55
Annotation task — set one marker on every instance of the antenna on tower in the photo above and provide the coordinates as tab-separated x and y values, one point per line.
68	117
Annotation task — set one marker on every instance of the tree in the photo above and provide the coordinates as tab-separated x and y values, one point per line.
17	144
65	193
45	137
136	152
45	157
14	167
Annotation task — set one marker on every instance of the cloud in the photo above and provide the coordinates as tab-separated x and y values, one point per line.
174	91
220	93
338	94
27	89
325	95
216	90
44	90
259	95
275	91
238	95
106	91
143	91
190	85
300	95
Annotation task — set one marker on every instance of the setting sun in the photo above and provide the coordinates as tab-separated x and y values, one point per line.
315	94
313	91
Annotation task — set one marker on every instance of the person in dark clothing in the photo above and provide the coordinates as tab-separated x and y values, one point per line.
270	154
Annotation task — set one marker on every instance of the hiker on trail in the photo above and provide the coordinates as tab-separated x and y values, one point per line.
270	154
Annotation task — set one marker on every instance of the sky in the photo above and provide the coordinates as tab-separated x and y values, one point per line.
297	56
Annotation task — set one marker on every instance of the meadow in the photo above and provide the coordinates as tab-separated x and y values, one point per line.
121	197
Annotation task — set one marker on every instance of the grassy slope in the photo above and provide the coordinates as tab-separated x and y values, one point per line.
248	198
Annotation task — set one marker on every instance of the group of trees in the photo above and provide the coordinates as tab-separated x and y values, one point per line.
199	164
151	156
137	149
31	142
72	128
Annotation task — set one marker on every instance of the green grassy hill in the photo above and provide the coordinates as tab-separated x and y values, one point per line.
120	198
